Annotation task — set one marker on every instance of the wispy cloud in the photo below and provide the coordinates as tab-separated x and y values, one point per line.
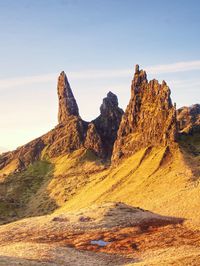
184	83
175	67
95	74
21	81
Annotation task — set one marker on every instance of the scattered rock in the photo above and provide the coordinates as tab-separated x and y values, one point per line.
84	219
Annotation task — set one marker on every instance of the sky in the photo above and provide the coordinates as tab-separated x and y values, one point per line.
97	43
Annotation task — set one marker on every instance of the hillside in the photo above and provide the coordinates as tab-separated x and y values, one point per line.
94	177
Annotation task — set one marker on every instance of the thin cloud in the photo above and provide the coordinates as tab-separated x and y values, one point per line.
175	67
184	83
16	82
95	74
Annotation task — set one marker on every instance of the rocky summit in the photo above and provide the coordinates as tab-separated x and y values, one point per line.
150	120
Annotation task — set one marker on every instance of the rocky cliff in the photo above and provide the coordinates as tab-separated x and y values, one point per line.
149	119
107	123
71	133
189	119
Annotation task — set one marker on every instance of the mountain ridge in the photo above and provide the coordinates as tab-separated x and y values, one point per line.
72	132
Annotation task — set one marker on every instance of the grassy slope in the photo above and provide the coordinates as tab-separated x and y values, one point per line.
70	174
152	179
46	184
145	180
17	189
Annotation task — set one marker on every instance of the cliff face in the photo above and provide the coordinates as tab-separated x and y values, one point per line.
189	119
149	119
107	123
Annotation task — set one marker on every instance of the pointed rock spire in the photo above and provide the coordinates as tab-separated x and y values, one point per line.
67	102
140	77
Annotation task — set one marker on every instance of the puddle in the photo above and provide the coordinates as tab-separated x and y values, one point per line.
100	243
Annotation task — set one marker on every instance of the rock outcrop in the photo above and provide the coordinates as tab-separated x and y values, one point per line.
71	133
67	102
107	123
93	141
149	119
189	119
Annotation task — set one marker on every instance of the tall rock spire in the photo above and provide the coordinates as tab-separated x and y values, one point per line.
67	102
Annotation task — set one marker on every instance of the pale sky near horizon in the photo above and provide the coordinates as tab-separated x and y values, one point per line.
97	43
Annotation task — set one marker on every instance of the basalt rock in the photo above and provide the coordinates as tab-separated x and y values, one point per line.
149	119
67	102
107	123
71	133
66	137
189	119
93	141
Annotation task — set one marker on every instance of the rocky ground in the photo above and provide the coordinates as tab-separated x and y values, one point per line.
109	234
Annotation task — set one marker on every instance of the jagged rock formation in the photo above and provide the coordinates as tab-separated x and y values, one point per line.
71	133
67	102
189	119
107	123
149	119
93	141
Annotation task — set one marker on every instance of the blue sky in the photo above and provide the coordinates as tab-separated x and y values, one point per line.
97	43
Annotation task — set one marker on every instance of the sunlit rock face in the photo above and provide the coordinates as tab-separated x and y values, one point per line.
149	119
67	102
189	119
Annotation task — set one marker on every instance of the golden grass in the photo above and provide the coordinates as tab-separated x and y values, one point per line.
10	168
145	181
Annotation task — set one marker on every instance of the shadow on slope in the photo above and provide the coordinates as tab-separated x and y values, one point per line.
46	184
190	146
18	189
